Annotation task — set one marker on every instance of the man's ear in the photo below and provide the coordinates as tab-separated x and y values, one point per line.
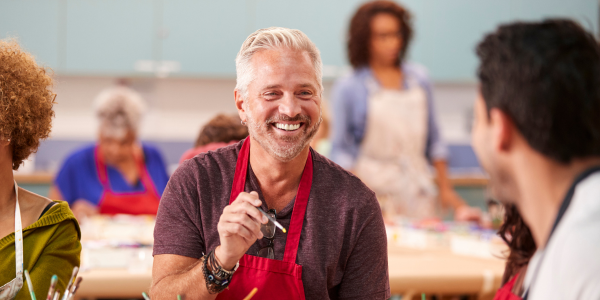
503	130
239	104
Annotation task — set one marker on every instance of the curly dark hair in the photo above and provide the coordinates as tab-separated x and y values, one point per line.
26	101
520	242
546	77
222	128
359	35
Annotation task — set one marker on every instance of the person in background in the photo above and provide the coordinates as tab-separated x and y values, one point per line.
521	246
221	131
537	134
384	125
118	175
321	142
36	234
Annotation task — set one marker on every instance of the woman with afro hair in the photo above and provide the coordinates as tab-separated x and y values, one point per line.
36	234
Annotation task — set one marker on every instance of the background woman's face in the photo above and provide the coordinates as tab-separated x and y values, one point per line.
117	150
386	39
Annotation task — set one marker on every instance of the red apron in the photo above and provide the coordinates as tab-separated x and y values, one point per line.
144	202
275	279
505	292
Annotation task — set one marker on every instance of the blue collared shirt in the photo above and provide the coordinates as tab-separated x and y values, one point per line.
349	99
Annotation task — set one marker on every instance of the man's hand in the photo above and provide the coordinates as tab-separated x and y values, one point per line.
239	228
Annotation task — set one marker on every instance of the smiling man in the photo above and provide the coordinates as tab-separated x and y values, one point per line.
212	242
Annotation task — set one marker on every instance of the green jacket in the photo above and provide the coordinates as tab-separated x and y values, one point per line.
51	246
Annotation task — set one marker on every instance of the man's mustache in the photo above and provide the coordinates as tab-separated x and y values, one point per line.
298	118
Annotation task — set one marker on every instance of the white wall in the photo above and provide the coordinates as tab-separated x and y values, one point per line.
179	107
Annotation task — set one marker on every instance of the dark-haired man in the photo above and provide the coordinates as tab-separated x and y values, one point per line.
537	133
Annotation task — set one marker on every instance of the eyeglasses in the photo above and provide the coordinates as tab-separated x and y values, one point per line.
268	231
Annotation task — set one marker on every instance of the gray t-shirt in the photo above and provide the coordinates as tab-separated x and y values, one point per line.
343	245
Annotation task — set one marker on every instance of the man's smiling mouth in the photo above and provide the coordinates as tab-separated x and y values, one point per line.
287	127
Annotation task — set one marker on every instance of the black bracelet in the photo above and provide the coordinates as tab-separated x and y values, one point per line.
217	279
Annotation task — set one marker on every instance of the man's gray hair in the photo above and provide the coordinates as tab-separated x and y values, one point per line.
269	38
119	110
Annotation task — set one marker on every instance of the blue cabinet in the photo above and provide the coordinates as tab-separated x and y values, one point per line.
108	36
36	25
202	37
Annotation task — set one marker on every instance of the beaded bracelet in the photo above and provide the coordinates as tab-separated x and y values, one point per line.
217	279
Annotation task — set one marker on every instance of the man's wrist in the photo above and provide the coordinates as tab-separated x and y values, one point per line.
226	262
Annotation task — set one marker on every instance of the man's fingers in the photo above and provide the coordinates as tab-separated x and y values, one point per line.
238	229
247	222
250	210
251	198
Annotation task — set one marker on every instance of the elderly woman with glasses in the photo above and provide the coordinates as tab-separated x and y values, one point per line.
36	234
118	175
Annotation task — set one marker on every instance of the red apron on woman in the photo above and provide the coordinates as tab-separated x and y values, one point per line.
505	292
144	202
275	279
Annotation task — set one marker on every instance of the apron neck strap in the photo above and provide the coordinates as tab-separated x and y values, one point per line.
18	234
299	211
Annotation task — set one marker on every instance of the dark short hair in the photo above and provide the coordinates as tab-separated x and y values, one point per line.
359	35
546	77
222	129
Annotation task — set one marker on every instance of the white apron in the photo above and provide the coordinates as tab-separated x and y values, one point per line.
392	158
9	291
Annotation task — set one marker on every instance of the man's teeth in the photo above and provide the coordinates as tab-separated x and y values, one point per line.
287	127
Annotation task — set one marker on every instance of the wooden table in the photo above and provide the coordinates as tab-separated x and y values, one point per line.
412	272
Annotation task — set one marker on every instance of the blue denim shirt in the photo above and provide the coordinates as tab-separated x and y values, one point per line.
349	102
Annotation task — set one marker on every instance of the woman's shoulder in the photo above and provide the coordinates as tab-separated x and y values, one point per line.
60	214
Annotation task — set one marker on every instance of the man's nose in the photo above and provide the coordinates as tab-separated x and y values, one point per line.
290	106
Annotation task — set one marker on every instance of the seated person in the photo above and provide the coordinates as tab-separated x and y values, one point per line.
210	239
118	175
36	234
521	246
537	134
221	131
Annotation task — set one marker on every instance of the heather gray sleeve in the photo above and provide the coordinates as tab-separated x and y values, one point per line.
177	230
366	275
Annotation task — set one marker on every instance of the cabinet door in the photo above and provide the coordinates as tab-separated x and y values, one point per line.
108	36
35	24
325	22
204	36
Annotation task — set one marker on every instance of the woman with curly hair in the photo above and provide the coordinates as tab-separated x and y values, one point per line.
36	234
384	127
118	175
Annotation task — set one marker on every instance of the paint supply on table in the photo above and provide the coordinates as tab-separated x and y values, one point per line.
52	287
70	282
75	287
30	285
254	290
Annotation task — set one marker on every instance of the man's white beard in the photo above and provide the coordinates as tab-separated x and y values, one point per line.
264	134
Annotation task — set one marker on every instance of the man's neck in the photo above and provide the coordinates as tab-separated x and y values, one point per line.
278	180
543	185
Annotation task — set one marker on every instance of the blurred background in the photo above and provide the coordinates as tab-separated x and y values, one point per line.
179	55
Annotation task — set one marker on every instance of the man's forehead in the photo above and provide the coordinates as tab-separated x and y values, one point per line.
278	63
